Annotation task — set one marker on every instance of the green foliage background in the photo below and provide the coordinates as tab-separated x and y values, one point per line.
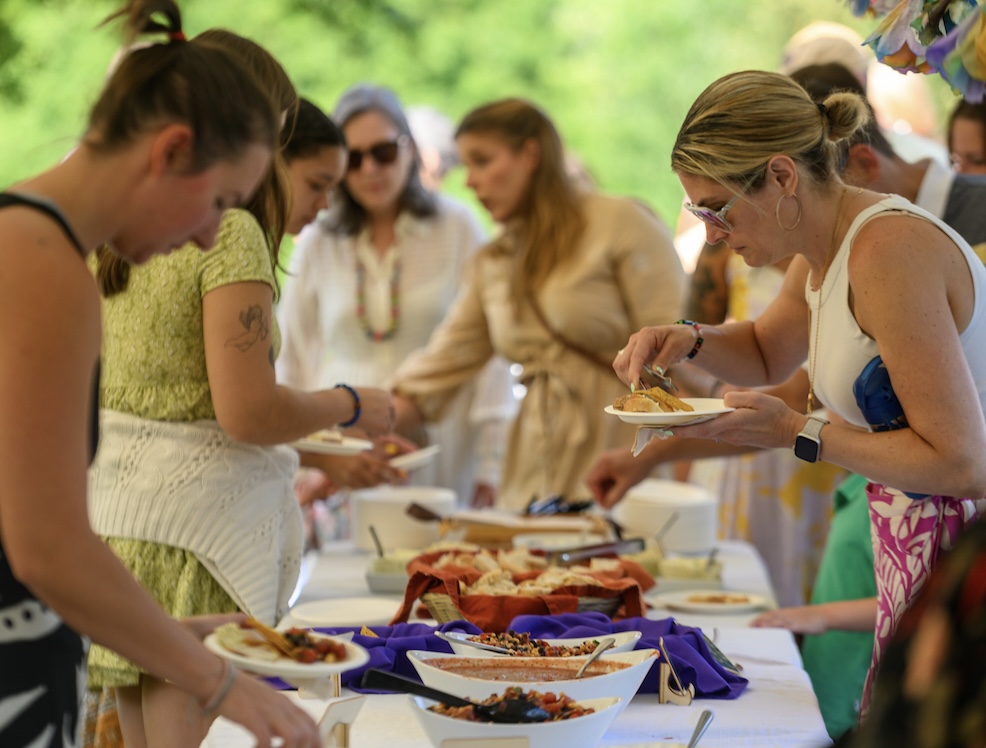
617	76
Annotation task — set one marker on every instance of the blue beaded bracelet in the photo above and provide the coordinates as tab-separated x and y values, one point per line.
698	336
356	405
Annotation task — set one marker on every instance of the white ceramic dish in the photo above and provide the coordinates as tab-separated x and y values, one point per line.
705	408
625	641
345	611
387	584
690	601
385	509
348	446
416	459
290	670
584	732
623	683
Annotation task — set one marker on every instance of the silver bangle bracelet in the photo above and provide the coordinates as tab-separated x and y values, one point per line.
222	690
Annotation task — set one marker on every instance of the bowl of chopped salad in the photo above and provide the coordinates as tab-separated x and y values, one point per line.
522	644
574	723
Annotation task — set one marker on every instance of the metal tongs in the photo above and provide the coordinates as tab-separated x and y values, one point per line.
657	378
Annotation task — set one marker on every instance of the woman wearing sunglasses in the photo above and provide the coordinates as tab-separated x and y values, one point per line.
368	283
886	303
556	292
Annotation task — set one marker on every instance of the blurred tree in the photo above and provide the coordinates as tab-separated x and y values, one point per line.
617	77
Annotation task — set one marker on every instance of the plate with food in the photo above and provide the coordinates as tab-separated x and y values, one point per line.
294	653
332	442
711	601
655	407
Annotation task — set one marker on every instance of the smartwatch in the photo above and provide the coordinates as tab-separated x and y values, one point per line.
808	444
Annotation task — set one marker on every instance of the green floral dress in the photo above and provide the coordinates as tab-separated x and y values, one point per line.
154	367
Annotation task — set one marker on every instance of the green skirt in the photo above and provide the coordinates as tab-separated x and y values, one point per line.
180	584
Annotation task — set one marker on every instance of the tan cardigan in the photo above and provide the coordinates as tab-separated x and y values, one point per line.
624	274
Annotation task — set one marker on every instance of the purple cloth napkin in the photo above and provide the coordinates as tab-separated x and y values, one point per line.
685	645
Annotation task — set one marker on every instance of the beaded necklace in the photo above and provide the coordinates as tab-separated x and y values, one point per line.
378	336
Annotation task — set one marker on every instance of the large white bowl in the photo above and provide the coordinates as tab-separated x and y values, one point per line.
624	641
383	509
583	732
623	683
649	504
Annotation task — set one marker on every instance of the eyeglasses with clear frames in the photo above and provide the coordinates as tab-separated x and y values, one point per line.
714	218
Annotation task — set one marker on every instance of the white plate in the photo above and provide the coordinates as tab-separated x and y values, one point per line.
681	601
416	459
705	409
624	641
348	446
345	611
356	657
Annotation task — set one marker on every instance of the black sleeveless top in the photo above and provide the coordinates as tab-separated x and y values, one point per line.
42	661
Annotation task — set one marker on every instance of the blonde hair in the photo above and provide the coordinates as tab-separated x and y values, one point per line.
741	120
550	216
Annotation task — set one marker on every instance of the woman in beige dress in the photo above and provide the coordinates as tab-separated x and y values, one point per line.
556	292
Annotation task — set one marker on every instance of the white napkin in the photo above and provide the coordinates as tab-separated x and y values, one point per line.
645	434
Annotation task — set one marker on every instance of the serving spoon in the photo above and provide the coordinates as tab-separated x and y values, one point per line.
603	645
478	645
511	711
704	720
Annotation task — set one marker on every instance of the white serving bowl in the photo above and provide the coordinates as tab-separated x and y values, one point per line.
383	509
623	683
624	641
650	504
584	732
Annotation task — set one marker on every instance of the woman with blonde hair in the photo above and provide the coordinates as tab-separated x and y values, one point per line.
157	166
569	276
880	297
192	487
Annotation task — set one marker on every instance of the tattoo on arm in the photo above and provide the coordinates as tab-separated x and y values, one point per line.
709	298
256	327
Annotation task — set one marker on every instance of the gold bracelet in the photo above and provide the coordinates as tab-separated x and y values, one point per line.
222	690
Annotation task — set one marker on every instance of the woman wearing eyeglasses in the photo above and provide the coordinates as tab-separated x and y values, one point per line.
556	292
370	280
967	137
886	303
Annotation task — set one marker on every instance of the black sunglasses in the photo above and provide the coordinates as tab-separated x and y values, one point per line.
383	153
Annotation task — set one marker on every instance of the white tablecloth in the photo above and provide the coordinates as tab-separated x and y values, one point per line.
778	708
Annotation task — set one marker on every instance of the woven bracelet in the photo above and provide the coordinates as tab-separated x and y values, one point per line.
698	336
357	406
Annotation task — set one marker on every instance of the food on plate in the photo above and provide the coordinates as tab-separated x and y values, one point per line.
653	400
256	641
522	645
558	706
327	436
719	598
547	669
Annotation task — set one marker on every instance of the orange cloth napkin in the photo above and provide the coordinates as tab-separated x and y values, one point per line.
494	612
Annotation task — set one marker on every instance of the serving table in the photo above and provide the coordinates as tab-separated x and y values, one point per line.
777	710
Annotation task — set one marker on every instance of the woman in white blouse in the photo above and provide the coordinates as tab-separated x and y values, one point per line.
370	280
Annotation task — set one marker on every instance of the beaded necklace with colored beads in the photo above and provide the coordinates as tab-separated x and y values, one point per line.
378	336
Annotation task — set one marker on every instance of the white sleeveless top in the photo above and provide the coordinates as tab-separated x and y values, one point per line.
844	349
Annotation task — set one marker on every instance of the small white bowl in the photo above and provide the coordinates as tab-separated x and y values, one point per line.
585	731
624	641
623	683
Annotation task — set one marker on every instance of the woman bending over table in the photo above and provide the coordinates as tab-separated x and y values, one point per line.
157	166
871	276
190	487
560	288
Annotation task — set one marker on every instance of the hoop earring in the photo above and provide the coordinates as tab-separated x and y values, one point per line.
777	211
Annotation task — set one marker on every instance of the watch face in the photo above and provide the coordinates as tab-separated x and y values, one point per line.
807	448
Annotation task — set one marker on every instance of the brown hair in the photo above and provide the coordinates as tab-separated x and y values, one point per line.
550	215
208	85
967	110
743	119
